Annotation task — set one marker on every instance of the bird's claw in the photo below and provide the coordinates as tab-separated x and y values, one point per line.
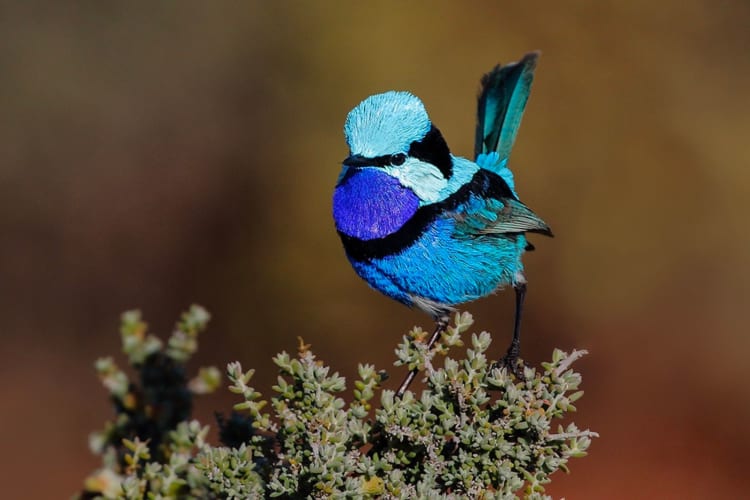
512	362
514	365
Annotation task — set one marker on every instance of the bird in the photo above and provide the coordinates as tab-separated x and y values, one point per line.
430	229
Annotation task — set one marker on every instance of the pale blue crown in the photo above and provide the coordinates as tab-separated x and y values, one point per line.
385	124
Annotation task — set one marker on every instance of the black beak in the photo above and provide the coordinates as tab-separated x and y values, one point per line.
358	161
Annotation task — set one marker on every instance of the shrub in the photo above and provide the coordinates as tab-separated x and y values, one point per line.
475	431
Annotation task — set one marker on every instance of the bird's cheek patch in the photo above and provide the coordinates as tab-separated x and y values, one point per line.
372	204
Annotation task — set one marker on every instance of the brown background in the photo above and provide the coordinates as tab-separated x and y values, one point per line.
157	155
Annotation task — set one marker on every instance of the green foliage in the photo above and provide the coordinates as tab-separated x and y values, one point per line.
475	431
149	446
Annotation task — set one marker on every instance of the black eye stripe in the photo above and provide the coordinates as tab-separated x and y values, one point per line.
375	161
363	161
433	149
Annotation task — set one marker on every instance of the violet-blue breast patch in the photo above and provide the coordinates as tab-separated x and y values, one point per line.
370	204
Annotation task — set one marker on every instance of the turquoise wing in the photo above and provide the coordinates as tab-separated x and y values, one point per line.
489	216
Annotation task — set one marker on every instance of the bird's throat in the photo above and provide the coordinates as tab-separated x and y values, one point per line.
371	204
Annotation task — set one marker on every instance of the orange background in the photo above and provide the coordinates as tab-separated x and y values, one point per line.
157	155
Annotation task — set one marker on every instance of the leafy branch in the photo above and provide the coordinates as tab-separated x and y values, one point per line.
474	431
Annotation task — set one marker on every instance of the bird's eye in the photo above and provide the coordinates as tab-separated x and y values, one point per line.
398	159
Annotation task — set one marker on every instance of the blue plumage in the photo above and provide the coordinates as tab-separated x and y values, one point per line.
384	124
500	109
389	204
424	227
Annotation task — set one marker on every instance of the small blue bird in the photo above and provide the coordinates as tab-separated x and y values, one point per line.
427	228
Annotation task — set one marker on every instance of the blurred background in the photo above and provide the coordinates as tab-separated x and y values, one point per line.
157	155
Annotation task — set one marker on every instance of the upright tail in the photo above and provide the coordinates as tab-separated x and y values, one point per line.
502	101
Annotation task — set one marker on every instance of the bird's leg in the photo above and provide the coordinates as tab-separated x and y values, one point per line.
511	357
441	323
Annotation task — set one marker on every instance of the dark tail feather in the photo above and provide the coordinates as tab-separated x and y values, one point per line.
502	100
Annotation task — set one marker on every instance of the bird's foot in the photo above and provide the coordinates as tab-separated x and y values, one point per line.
512	362
514	365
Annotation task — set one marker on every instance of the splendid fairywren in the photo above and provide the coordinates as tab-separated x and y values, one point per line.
427	228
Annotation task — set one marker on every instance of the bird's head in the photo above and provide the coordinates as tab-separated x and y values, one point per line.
386	124
398	161
393	133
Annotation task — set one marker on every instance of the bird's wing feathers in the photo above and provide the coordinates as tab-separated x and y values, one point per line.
515	217
502	100
488	216
486	206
